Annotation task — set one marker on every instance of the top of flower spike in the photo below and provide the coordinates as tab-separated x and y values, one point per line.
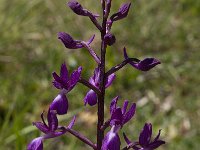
64	81
143	65
70	43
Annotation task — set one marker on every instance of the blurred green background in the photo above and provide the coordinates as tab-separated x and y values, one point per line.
167	96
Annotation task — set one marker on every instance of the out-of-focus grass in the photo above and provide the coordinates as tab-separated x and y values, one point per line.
167	96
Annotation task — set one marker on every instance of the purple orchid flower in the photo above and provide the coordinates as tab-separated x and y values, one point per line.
143	65
79	10
145	142
91	96
70	43
50	131
122	12
64	81
65	84
112	140
120	116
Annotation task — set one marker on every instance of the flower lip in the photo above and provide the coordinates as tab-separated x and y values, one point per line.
36	144
90	98
60	104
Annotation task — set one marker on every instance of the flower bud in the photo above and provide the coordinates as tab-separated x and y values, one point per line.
77	8
122	12
109	39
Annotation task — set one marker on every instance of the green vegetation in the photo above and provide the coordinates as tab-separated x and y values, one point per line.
169	95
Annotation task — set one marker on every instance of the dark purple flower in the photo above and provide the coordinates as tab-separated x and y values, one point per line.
109	39
112	141
60	104
145	142
69	42
64	81
91	96
122	12
79	10
50	130
143	65
120	116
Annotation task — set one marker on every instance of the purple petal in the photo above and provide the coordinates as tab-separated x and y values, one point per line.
41	127
125	53
156	144
67	40
116	117
113	104
36	144
71	124
129	114
56	77
77	8
145	135
60	104
111	140
91	80
75	76
54	134
52	120
64	72
126	139
157	137
90	98
91	39
110	79
57	85
125	105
